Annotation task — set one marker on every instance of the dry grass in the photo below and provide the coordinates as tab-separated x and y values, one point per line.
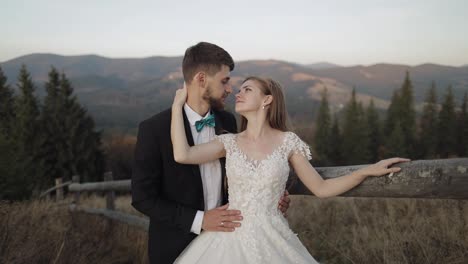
44	232
364	230
338	230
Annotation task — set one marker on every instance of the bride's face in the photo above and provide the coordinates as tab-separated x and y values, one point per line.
249	98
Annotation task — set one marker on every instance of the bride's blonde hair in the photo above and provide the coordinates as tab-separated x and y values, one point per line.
276	112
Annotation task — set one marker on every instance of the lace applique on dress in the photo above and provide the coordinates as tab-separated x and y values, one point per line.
255	188
298	146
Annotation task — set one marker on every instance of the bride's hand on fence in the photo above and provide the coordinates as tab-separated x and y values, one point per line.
382	167
180	97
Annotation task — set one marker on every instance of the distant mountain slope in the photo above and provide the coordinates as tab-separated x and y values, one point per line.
381	79
322	65
121	92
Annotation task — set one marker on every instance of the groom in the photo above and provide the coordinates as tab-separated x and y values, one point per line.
182	200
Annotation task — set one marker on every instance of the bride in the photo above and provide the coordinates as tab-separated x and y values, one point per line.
257	167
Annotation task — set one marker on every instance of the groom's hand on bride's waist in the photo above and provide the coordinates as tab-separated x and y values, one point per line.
283	204
221	219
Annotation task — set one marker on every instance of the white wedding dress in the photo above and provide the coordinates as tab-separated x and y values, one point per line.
255	188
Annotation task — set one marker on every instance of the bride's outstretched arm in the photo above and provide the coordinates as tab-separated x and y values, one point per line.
183	153
336	186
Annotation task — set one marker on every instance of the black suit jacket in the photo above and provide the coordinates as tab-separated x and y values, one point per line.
168	192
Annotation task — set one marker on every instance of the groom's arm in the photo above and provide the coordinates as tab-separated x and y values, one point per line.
146	183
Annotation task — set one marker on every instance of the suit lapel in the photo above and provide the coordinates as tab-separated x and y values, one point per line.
195	168
219	129
219	126
188	131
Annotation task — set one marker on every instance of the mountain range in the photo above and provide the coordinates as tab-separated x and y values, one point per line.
121	92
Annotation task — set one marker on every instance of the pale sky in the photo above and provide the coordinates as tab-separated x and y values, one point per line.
342	32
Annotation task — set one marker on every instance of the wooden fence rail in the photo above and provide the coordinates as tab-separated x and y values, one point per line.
120	186
441	179
129	219
58	187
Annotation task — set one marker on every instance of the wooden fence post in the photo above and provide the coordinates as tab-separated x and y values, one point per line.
110	196
59	191
76	198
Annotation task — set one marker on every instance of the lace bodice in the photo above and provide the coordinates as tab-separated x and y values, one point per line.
255	187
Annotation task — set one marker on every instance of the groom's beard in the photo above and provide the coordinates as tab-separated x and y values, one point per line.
215	103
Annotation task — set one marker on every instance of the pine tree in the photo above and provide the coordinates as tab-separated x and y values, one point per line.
84	155
393	111
355	133
462	130
6	140
407	115
27	109
396	142
402	111
364	133
336	157
52	132
428	129
373	124
447	126
25	136
322	135
7	114
10	188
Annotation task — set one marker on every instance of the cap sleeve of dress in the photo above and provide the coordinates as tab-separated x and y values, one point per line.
297	146
227	140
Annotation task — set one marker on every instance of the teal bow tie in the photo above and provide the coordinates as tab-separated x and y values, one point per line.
208	121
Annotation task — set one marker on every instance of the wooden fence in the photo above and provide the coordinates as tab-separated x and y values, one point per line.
440	179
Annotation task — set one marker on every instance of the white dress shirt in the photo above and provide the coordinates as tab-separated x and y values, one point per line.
210	172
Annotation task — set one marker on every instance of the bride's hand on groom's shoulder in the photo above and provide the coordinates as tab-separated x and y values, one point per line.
383	167
180	97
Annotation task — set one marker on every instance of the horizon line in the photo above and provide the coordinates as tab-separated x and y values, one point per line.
244	60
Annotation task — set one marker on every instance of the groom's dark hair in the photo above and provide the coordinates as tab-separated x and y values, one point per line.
206	57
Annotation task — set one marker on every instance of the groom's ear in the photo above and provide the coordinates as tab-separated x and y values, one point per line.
200	78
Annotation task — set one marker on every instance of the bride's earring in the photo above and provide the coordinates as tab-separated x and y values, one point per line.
263	107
